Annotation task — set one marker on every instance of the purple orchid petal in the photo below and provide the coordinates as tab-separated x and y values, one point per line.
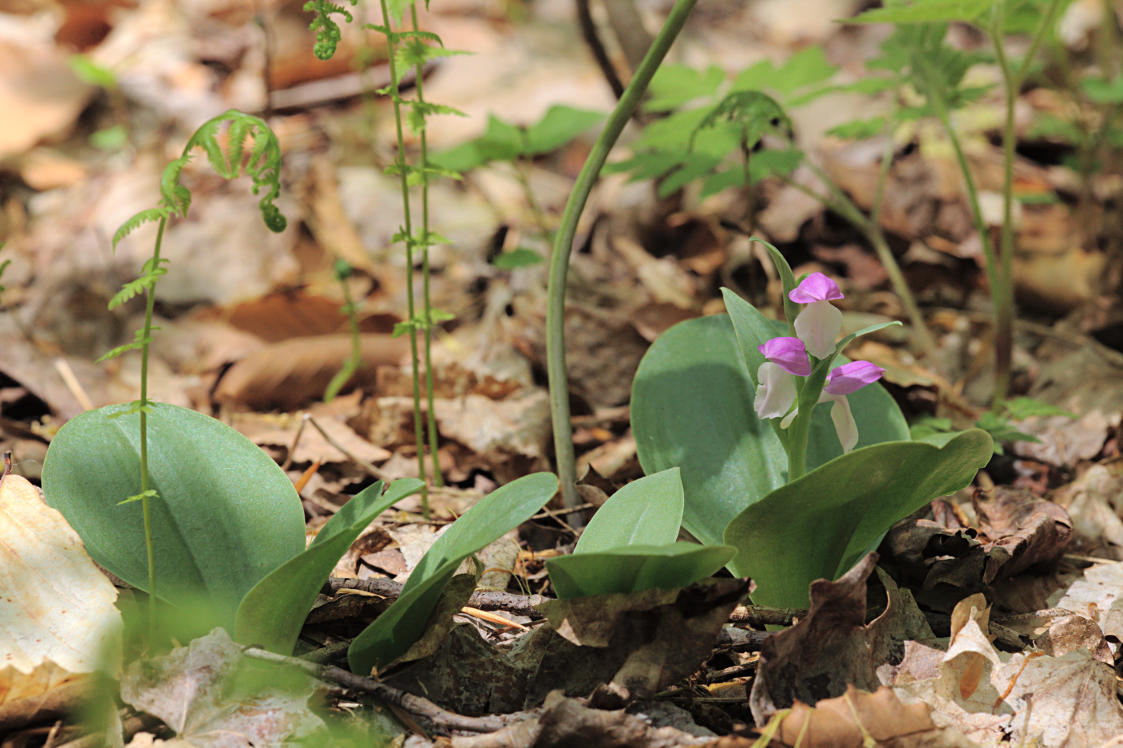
852	377
815	287
787	353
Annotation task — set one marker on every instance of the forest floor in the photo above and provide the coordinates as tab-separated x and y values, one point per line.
994	615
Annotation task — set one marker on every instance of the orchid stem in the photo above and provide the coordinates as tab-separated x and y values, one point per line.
563	246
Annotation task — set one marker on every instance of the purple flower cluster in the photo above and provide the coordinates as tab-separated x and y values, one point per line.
817	327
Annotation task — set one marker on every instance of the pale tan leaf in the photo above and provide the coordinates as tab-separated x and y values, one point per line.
56	613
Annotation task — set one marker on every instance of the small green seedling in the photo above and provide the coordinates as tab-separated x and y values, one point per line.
262	163
342	272
406	49
629	545
1000	424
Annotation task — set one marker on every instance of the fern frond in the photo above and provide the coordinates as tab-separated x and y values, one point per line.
176	197
327	30
139	341
151	215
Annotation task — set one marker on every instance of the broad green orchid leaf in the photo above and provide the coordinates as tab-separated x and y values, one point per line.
403	623
273	612
633	568
647	511
215	488
819	525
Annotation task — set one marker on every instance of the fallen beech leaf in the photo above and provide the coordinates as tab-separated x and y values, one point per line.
1052	701
1098	596
56	614
833	648
192	689
1091	501
1016	531
295	372
851	719
40	86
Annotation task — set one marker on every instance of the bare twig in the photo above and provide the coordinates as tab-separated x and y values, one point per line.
589	33
523	605
416	705
370	469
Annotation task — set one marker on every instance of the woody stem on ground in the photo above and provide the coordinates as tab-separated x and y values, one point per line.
563	246
403	177
431	421
145	498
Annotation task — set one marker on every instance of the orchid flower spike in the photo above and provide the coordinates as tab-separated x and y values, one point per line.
819	323
842	381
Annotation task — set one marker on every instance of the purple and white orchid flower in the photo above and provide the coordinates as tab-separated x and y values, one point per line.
776	390
842	381
818	326
819	323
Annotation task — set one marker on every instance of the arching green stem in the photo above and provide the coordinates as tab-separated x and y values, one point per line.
563	246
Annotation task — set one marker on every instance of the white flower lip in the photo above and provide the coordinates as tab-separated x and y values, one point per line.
818	326
775	391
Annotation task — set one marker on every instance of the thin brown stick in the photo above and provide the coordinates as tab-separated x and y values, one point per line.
416	705
523	605
589	34
370	469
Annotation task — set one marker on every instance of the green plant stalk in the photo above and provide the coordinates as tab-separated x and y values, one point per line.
145	499
354	361
410	304
431	422
563	246
1012	81
1002	298
536	211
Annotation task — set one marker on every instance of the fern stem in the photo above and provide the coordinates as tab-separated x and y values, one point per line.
431	422
145	500
409	240
563	246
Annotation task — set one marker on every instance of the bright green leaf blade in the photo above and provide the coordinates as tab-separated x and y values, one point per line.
692	409
675	85
819	525
359	506
273	612
226	514
926	11
502	510
647	511
635	568
520	257
558	126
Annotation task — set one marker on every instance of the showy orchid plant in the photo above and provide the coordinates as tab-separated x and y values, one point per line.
792	374
731	402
